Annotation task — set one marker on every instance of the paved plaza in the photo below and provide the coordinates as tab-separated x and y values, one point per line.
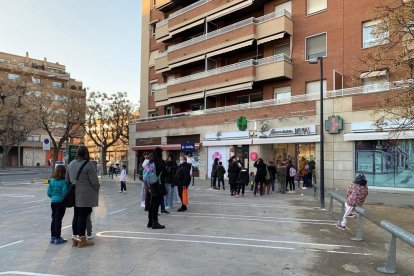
219	235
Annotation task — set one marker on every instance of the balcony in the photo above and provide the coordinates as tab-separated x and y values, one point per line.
234	77
241	34
195	14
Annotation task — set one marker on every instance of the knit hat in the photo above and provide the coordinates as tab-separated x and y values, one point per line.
360	180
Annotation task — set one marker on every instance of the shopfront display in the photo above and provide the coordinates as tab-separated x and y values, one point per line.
293	152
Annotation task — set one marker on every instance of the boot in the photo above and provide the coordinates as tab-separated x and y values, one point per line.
84	242
157	226
149	224
75	241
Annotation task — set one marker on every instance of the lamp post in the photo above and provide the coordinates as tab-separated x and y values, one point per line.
322	151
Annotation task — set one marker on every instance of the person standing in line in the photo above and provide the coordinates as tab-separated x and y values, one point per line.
144	188
183	180
214	174
356	195
242	181
221	171
57	189
272	172
89	235
156	189
303	172
292	172
260	177
311	172
281	176
122	179
233	173
190	161
251	181
86	194
171	167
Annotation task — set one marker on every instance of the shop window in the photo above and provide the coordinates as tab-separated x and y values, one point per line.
195	107
373	35
282	94
384	163
316	46
315	87
315	6
283	49
373	84
285	6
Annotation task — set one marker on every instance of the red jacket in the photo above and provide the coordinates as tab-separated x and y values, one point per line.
356	194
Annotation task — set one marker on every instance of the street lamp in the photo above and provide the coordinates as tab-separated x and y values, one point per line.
322	152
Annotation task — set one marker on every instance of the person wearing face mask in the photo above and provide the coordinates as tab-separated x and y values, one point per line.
182	180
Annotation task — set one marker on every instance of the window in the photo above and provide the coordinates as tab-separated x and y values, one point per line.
12	76
282	94
316	46
250	98
36	80
57	84
285	6
152	114
372	35
315	87
152	87
195	107
152	30
283	49
377	83
169	110
314	6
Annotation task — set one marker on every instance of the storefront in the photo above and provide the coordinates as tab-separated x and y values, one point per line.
385	161
174	146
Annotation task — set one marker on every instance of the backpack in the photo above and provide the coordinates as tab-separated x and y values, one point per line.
292	172
149	174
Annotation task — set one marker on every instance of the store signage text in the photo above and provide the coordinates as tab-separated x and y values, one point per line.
288	131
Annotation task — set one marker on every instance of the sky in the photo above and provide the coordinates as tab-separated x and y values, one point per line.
98	40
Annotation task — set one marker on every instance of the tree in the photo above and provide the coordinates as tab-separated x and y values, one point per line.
394	49
107	120
60	116
16	114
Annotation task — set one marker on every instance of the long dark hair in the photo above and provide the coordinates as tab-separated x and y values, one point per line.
59	172
156	155
216	161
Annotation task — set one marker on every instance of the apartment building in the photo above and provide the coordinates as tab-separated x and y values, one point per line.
237	77
51	77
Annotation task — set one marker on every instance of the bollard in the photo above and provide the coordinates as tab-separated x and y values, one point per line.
359	231
330	206
342	211
389	268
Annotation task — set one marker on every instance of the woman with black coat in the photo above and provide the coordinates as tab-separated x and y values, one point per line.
233	173
260	177
156	190
214	173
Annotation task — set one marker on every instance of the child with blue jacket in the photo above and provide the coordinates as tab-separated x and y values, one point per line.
58	187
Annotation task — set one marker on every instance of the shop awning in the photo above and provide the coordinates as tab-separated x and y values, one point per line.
177	64
234	142
381	135
164	147
287	140
228	89
270	38
373	74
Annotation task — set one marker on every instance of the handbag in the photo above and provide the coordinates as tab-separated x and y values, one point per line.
267	177
69	199
185	196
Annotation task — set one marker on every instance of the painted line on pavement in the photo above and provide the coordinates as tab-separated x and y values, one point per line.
3	246
16	195
229	238
67	226
259	217
26	273
34	201
253	219
117	211
104	235
26	208
252	205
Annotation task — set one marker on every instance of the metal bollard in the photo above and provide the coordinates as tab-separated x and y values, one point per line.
330	206
389	268
360	229
342	211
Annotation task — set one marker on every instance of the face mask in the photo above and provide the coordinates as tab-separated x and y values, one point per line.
181	161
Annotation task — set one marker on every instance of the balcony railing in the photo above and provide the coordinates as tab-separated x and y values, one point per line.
228	68
360	90
188	8
230	28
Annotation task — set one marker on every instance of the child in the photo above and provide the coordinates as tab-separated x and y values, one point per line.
122	178
251	181
242	181
58	187
356	195
220	171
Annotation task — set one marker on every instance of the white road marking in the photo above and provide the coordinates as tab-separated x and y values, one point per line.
3	246
15	195
117	211
67	226
228	238
21	209
26	273
253	219
244	216
102	234
34	201
252	205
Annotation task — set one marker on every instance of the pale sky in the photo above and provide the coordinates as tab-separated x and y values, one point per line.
98	40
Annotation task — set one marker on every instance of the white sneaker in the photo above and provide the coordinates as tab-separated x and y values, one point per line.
89	237
167	208
304	188
142	204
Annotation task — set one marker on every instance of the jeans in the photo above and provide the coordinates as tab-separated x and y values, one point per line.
221	180
169	198
58	211
273	184
153	210
348	210
89	225
79	220
123	186
143	193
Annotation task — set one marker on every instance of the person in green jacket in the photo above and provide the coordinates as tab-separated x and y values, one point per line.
58	188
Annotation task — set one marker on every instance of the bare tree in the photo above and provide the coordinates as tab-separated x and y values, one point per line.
394	49
16	114
107	120
61	116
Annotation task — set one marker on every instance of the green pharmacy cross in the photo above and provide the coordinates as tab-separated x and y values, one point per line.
242	123
334	124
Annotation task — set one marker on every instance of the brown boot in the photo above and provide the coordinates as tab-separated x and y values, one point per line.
84	242
75	241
